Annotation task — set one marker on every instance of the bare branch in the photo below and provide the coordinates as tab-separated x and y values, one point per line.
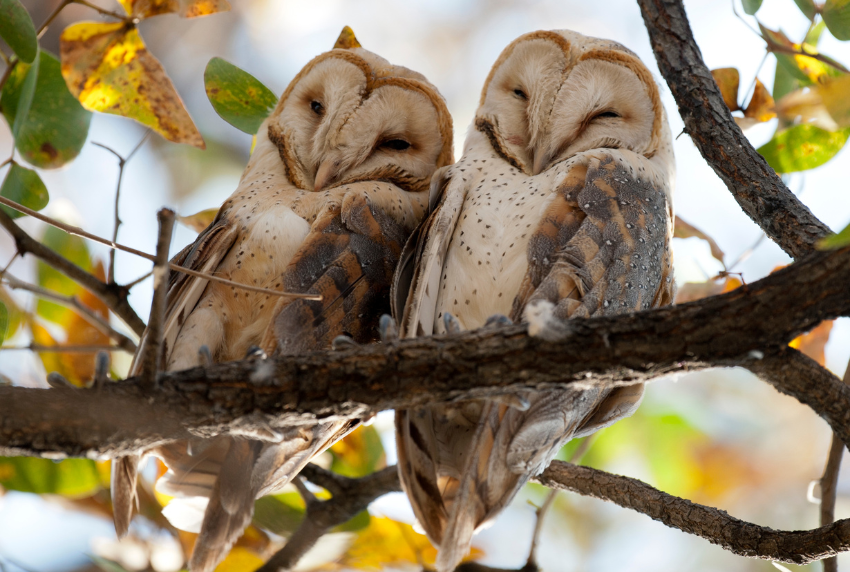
716	526
753	183
151	354
738	328
351	497
77	231
78	349
74	303
114	296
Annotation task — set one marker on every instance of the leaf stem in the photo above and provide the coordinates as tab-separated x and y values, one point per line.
52	17
103	11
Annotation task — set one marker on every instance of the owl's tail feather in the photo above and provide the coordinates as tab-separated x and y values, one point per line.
123	490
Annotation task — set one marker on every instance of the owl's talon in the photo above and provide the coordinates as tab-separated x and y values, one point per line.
343	343
204	356
255	352
497	320
451	324
57	381
101	369
388	329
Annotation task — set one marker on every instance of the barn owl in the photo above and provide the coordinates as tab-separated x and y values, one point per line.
560	207
334	187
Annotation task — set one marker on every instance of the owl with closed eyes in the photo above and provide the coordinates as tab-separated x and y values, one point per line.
337	182
560	207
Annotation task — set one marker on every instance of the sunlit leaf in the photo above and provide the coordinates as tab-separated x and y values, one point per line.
74	478
25	187
198	221
751	6
55	128
760	107
807	7
27	93
727	80
683	229
836	15
387	543
4	322
802	147
280	514
240	560
347	40
804	106
359	454
835	94
74	249
691	291
237	96
836	240
358	522
16	316
17	30
109	69
813	343
186	8
805	69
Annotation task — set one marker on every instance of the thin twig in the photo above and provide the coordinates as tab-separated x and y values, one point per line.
829	485
77	349
77	231
122	162
138	280
103	11
114	296
74	303
151	353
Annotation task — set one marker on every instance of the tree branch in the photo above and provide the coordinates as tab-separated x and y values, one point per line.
738	328
753	183
714	525
350	497
112	295
151	354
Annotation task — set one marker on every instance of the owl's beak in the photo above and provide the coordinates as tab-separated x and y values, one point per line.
327	173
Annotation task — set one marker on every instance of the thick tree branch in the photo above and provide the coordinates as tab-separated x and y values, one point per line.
714	525
350	496
753	183
112	295
742	327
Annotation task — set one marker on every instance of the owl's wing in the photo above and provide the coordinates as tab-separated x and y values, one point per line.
417	282
348	258
184	291
601	248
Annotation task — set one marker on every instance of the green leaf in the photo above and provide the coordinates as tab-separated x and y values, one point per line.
280	514
784	82
357	522
17	29
106	565
24	103
74	478
237	96
4	322
25	187
361	453
54	130
807	7
74	249
836	14
751	6
803	147
835	240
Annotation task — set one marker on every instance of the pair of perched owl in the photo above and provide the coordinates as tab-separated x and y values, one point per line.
560	206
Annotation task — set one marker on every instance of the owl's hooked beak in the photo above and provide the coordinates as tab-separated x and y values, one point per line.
327	173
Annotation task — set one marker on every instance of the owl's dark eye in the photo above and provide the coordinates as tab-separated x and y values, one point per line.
608	114
396	144
520	94
317	107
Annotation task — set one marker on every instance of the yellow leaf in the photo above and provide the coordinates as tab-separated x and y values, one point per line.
691	291
835	95
761	104
813	343
386	543
198	221
240	560
186	8
684	229
109	69
347	40
805	106
727	80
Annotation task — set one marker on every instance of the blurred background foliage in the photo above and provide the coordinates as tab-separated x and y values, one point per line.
717	437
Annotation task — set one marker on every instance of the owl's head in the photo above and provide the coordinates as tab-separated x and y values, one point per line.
553	94
349	115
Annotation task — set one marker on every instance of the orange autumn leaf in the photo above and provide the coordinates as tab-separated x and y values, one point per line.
186	8
761	105
813	343
108	68
727	80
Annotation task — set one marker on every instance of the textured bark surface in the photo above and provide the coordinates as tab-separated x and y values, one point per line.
708	121
742	327
716	526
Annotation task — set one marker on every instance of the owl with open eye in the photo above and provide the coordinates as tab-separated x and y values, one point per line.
560	207
333	189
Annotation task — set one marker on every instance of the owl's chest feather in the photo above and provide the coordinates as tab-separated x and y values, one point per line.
487	258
